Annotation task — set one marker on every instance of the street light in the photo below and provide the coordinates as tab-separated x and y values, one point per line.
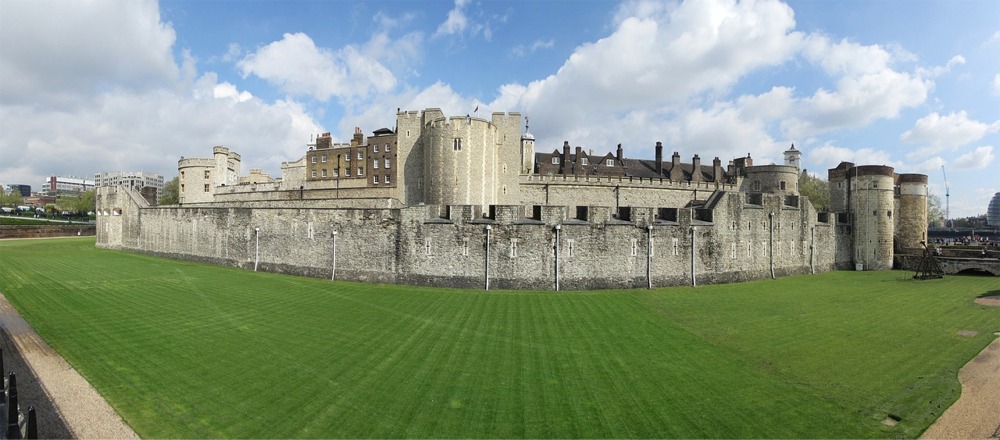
333	273
256	252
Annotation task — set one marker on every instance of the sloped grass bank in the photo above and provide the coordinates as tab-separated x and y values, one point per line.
192	350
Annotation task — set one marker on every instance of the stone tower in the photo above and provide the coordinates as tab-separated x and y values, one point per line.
527	150
911	223
871	203
793	158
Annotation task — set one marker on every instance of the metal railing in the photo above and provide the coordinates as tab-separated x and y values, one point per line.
16	425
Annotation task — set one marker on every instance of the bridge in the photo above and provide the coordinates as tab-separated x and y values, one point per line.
952	265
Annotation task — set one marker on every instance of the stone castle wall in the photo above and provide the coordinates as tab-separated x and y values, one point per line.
735	239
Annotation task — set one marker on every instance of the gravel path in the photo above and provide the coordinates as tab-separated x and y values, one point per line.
67	406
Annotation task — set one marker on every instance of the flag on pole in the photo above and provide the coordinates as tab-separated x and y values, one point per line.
476	110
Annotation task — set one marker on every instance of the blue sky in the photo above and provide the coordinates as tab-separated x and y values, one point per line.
119	85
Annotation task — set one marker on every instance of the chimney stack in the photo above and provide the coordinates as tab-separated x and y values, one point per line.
659	158
675	168
717	170
619	155
565	159
696	169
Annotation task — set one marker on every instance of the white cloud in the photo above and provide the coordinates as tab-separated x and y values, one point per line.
996	84
942	133
662	58
456	22
521	50
300	68
979	158
111	97
828	156
65	49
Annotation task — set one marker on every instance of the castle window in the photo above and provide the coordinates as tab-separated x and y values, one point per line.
755	185
347	172
584	161
888	213
427	246
375	148
361	156
324	158
571	244
313	159
324	172
778	247
347	157
555	160
182	175
749	249
635	247
674	248
513	247
874	212
763	248
313	174
386	148
375	180
387	163
386	179
781	185
609	162
465	246
457	144
375	164
734	250
336	172
361	171
206	187
182	187
208	174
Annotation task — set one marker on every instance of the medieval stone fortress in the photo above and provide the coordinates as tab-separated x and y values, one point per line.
467	202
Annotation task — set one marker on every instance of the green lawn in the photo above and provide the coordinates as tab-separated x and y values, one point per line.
191	350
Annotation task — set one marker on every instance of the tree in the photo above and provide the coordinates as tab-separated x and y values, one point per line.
170	194
816	189
935	216
82	203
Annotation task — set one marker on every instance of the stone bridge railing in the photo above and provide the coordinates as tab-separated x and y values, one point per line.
952	265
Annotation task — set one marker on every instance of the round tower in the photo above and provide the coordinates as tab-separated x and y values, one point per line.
872	203
911	223
773	179
461	161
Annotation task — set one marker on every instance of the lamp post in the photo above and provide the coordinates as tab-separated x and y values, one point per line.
770	251
333	272
557	229
649	256
256	252
486	263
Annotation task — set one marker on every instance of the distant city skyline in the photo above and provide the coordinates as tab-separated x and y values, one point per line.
133	86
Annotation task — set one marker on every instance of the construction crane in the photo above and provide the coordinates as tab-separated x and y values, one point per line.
947	214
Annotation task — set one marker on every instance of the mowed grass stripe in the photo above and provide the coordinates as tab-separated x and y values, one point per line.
191	350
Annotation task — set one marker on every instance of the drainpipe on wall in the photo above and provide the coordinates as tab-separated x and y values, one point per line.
770	251
486	263
649	256
333	273
256	252
558	228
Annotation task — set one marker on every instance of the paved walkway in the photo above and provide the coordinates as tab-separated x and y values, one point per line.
67	406
976	414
